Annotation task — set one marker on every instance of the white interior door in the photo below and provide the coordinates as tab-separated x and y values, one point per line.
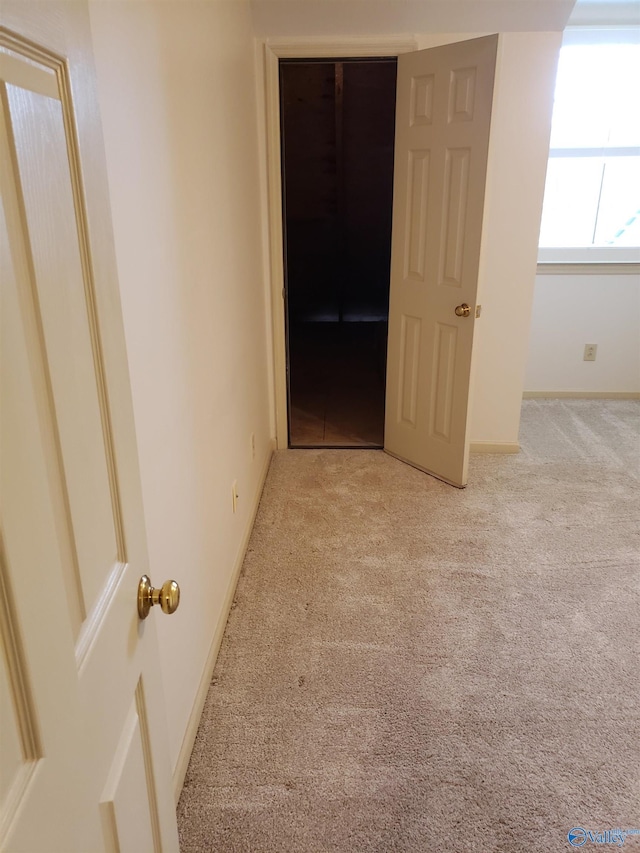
443	114
84	764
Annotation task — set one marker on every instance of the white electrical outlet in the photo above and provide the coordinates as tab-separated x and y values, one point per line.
234	495
253	445
590	352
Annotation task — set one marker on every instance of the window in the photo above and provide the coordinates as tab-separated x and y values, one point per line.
592	196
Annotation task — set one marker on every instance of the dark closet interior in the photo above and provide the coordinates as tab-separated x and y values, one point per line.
337	136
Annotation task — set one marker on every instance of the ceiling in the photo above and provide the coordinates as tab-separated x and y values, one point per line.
391	17
606	13
387	17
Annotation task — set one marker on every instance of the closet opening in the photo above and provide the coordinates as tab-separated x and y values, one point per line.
337	144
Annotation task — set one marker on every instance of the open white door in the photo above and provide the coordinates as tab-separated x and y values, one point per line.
83	759
443	114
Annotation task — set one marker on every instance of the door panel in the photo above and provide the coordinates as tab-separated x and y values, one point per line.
422	99
456	190
417	194
19	738
82	724
441	381
10	741
128	806
36	643
42	164
410	348
443	118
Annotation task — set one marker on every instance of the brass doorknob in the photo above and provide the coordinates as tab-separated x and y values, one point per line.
463	310
168	597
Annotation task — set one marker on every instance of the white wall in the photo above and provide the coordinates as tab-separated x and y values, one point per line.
585	304
177	94
517	165
287	18
518	153
570	311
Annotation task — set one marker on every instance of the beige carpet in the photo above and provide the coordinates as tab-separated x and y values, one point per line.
409	667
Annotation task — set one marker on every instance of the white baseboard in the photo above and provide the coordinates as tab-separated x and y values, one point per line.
582	395
196	712
494	447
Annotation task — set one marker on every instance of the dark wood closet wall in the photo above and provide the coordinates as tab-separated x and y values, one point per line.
338	122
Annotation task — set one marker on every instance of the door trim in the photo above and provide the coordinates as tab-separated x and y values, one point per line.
274	50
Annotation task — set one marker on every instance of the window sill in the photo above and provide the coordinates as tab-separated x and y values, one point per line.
609	255
568	268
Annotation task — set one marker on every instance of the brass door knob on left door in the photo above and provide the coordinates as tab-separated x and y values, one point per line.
167	596
463	310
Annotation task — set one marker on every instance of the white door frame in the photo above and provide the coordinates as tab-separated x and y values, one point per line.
299	48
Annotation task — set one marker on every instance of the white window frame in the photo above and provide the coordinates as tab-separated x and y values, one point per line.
593	254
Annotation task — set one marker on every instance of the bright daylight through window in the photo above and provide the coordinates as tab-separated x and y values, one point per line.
592	194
